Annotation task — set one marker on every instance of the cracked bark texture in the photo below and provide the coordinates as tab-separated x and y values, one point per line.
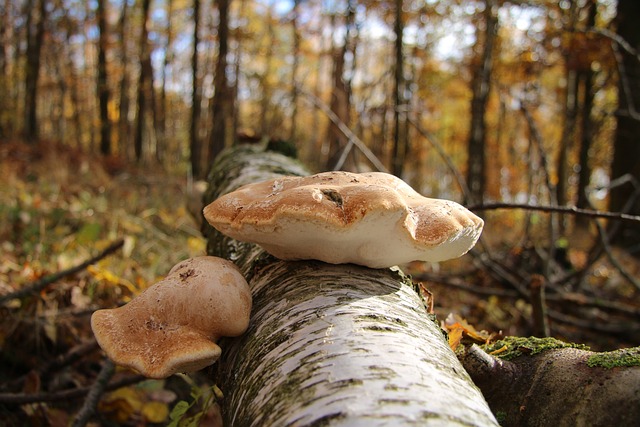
338	345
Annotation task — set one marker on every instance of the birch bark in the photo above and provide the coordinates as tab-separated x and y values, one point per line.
339	345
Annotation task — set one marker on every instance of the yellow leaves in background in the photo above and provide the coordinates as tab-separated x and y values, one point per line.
104	275
147	402
196	245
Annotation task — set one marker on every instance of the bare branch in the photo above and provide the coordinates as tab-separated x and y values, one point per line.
438	147
73	393
47	280
561	209
353	139
97	390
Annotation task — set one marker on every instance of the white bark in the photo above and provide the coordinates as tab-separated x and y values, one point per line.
339	345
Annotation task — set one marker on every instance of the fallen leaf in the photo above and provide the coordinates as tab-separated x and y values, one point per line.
155	412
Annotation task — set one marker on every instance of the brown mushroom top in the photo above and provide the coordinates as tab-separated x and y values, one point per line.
171	327
374	219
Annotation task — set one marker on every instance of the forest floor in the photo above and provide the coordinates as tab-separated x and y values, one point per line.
60	207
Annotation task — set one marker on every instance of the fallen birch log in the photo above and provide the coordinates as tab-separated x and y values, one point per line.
339	345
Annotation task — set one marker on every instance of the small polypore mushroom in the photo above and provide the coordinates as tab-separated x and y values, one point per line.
373	219
172	326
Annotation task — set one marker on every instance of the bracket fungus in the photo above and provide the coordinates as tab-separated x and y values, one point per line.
173	325
372	219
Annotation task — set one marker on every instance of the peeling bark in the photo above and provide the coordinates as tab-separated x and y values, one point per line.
332	344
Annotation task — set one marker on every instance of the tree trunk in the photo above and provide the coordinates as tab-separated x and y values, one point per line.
294	68
571	104
102	84
586	127
400	141
476	173
195	146
123	107
220	104
331	344
162	144
626	146
35	38
341	94
266	86
144	80
5	35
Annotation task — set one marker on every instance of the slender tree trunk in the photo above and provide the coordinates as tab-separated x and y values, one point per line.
626	146
570	113
568	134
123	107
144	81
586	126
237	57
102	83
481	86
195	145
341	93
5	30
161	109
35	38
294	69
332	344
220	108
74	97
267	90
399	134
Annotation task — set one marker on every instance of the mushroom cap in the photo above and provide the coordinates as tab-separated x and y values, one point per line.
373	219
171	326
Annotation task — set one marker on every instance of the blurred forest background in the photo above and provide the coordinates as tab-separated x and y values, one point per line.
112	111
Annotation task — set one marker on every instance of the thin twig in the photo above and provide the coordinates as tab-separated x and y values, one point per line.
560	297
553	194
467	287
94	395
47	280
585	301
447	159
612	259
600	326
562	209
353	139
74	393
616	38
61	361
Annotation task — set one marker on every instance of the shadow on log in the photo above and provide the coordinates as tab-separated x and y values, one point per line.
331	344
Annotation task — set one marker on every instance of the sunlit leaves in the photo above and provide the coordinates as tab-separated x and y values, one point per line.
147	402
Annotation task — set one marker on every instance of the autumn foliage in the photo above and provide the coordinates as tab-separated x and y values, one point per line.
110	113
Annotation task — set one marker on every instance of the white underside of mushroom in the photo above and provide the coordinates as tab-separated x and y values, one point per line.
371	219
361	244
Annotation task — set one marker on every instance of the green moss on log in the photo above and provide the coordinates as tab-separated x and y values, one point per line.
510	348
624	357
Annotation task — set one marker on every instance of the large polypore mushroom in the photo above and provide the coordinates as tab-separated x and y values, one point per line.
173	325
373	219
